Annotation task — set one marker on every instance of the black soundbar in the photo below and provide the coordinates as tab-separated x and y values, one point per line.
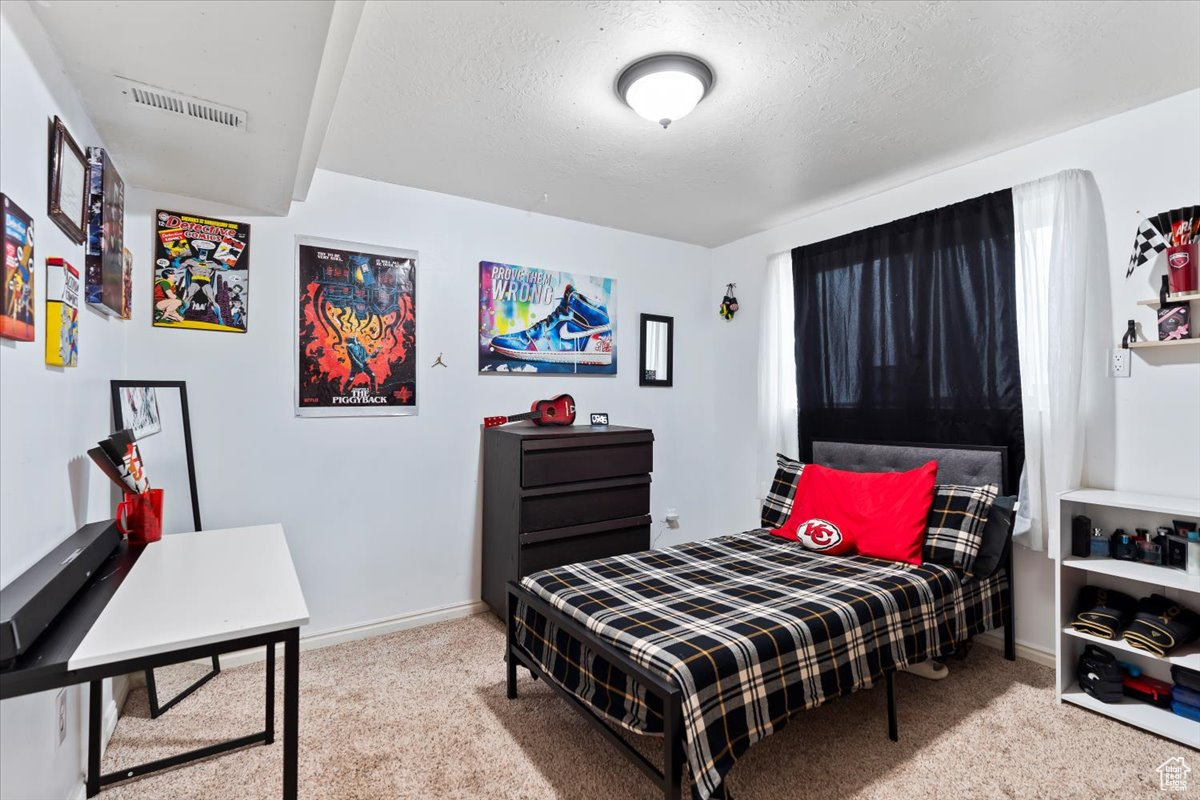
32	601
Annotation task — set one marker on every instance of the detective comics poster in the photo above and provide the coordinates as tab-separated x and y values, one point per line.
201	273
356	329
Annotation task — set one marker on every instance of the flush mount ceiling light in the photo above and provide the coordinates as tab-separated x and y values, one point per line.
666	87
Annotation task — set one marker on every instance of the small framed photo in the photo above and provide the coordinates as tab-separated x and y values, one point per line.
1182	527
68	183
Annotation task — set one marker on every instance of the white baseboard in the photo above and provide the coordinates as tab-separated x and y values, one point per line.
111	712
108	726
365	630
1028	652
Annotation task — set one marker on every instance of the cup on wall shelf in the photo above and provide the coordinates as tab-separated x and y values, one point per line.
139	516
1182	267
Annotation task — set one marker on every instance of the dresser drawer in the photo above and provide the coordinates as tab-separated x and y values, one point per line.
583	543
570	460
580	503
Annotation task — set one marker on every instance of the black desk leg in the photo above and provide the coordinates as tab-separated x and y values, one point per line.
291	711
95	718
270	729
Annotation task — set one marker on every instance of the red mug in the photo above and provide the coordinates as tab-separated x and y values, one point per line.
139	516
1182	268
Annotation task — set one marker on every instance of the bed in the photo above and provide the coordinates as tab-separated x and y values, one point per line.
711	646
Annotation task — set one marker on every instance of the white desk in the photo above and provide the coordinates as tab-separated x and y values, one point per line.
199	588
188	596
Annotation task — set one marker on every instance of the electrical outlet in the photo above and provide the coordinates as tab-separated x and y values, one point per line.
1118	363
61	704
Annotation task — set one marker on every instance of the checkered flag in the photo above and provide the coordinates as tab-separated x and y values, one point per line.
1147	242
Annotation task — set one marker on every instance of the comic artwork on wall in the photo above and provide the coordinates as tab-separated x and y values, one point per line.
62	313
201	273
356	329
535	320
16	291
104	272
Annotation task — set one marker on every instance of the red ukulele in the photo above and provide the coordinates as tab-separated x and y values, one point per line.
555	411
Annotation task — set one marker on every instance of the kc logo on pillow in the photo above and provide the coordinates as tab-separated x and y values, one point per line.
818	534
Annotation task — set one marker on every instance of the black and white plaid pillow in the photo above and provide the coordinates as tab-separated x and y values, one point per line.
956	522
778	502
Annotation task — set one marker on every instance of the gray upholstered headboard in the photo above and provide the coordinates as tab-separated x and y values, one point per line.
962	465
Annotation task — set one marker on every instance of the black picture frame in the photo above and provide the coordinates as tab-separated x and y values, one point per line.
69	213
115	387
643	376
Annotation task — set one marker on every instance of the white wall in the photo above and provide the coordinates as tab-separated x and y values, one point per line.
1144	161
50	415
389	505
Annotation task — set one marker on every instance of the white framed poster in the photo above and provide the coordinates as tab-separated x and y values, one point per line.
356	329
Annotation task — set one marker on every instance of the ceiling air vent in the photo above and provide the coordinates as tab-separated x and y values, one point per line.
182	105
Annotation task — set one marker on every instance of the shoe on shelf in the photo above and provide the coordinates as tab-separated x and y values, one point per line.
578	331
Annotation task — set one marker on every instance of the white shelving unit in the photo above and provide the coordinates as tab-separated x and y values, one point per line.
1129	510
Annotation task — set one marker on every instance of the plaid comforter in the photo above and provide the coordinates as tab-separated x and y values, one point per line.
752	628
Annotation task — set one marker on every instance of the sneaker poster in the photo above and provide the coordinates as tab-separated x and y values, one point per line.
356	329
535	320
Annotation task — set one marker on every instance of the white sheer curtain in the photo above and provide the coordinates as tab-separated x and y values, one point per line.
777	407
1060	242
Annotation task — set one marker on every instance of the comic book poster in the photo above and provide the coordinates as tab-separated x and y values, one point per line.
201	273
535	320
103	269
62	313
16	292
356	329
139	410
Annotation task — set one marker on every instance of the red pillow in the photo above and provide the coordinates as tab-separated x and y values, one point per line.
879	514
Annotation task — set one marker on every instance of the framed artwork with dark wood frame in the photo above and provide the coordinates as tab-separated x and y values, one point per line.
68	183
166	445
657	362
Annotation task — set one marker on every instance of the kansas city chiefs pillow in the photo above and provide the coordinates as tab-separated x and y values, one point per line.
879	514
823	536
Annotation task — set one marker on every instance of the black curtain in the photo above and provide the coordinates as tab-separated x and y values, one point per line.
907	332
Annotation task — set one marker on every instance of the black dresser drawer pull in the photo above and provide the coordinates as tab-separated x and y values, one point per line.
590	529
586	486
572	442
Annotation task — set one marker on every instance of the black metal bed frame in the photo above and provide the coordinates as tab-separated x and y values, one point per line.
670	777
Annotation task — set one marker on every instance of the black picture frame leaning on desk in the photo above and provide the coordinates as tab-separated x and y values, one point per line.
120	423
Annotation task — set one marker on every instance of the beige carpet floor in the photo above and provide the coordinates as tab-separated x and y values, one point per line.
422	714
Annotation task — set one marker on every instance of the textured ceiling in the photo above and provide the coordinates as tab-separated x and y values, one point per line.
262	57
815	103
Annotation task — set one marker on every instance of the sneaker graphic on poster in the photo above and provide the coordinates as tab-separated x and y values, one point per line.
578	331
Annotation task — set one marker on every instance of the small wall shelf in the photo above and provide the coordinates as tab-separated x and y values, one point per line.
1171	343
1183	297
1108	508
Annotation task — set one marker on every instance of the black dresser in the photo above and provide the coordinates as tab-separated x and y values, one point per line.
554	496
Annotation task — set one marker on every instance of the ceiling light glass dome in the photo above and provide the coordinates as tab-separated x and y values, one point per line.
664	88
